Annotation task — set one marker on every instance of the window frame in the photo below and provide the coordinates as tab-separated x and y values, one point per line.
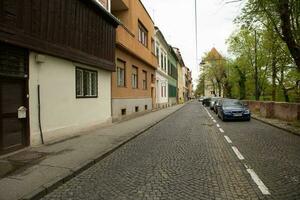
137	77
83	96
117	73
142	34
145	80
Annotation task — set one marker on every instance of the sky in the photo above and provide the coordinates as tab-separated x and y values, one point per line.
176	20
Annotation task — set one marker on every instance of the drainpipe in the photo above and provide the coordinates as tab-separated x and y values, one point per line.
39	114
40	59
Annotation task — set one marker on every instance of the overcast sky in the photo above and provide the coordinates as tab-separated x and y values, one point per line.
176	19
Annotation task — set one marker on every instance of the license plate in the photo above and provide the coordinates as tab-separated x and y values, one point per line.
238	115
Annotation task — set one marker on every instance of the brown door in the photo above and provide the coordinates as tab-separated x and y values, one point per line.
12	129
13	97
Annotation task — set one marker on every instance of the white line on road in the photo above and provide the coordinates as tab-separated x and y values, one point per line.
228	139
258	182
238	153
218	125
221	130
214	121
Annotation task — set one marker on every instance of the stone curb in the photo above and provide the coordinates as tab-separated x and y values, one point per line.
276	126
58	181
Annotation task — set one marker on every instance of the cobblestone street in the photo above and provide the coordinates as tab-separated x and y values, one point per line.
187	156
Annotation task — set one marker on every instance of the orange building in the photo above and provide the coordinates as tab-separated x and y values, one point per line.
133	82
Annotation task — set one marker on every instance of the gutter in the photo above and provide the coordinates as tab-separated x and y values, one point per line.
114	20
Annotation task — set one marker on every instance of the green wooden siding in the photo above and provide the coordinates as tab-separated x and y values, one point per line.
172	91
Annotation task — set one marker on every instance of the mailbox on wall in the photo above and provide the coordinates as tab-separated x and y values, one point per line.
22	112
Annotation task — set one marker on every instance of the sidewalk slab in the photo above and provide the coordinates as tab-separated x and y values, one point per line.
64	160
278	124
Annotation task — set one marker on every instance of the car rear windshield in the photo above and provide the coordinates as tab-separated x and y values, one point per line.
232	103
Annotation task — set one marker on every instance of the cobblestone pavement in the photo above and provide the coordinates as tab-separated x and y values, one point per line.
186	157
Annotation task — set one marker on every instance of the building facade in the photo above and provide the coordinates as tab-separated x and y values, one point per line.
54	74
180	76
172	77
162	82
133	82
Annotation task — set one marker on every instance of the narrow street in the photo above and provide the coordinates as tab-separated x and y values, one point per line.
186	156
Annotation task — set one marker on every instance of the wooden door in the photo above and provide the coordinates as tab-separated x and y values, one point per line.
13	96
12	129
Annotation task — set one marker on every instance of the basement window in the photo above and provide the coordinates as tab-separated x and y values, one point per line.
123	111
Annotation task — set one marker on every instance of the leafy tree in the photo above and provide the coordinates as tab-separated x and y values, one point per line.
282	16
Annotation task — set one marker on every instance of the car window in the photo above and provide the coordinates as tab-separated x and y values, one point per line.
232	103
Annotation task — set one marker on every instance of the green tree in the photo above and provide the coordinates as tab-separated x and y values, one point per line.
282	16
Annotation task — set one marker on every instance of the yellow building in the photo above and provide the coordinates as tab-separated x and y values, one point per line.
181	78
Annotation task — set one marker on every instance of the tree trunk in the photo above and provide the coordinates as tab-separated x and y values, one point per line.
286	94
274	73
285	13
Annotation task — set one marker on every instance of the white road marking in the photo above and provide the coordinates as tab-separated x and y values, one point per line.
221	130
238	153
218	125
228	139
258	182
214	121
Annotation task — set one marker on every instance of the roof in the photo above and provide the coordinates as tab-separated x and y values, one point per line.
214	55
158	31
178	54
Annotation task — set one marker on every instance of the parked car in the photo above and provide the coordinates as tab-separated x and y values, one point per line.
230	109
201	99
212	102
216	104
206	101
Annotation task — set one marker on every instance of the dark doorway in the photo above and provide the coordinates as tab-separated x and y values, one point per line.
13	98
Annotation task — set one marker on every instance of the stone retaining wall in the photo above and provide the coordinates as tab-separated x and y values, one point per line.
279	110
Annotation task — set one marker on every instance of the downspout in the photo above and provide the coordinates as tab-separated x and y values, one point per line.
39	114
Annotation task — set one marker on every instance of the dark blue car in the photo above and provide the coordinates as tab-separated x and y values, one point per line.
231	109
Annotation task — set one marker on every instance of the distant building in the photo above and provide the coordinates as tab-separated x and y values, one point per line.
212	60
133	83
180	76
162	80
172	76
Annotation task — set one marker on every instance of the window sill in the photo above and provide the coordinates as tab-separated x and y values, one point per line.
86	97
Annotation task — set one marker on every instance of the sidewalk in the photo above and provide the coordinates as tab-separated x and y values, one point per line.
39	170
287	126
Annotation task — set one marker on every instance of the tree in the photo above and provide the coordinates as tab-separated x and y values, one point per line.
282	16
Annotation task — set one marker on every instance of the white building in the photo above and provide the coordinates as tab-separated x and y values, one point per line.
57	83
161	50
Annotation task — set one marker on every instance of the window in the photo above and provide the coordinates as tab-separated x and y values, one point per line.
143	35
161	61
123	111
146	107
163	90
153	46
157	50
121	73
152	78
134	77
86	83
136	109
144	80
